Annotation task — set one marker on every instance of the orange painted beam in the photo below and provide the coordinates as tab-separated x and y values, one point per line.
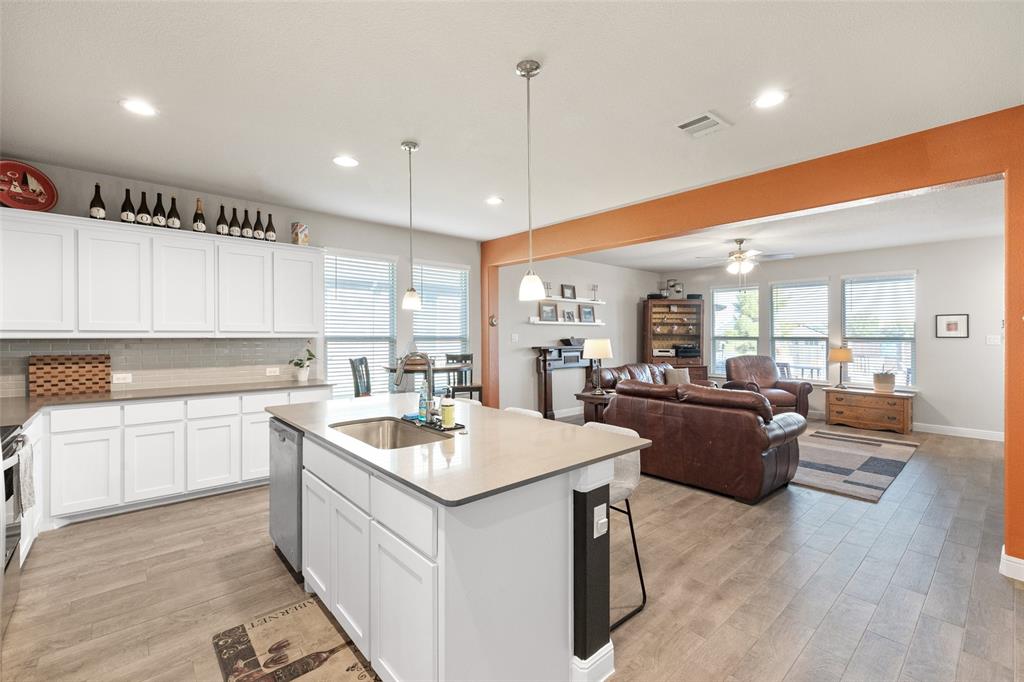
985	146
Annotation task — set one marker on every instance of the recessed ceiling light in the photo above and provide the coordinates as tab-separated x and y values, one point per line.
494	200
138	106
770	98
346	161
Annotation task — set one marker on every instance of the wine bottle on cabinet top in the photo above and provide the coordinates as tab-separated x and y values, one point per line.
198	219
234	229
246	225
222	222
97	209
127	208
257	229
143	216
173	219
270	234
159	215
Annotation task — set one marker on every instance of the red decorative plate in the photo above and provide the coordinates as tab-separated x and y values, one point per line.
22	186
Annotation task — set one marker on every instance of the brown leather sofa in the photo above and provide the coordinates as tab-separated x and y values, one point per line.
723	440
760	374
650	373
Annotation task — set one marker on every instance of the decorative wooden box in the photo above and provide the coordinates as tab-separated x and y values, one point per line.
68	374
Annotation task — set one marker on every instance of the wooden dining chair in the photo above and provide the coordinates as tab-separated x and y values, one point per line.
360	376
462	381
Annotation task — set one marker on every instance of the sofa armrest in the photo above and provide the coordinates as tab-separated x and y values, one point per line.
742	386
801	389
784	428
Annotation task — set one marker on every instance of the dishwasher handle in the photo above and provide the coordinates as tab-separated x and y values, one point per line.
283	432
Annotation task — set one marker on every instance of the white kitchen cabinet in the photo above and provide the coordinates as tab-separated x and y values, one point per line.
114	281
403	609
310	395
316	525
245	288
37	277
298	291
85	470
350	570
154	460
255	445
214	451
184	284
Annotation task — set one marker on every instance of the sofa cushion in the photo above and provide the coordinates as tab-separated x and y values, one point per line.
646	389
720	397
776	396
677	375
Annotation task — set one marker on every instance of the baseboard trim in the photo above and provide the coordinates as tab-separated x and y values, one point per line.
816	414
597	668
1011	566
960	431
568	412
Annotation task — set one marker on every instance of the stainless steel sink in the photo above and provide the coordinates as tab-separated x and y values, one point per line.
388	433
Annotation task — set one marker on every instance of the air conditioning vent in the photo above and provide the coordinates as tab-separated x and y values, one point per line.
701	125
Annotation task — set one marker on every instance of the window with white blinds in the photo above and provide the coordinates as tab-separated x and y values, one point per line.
359	319
441	326
800	330
735	325
879	315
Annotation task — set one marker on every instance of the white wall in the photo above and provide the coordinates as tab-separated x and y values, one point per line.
960	380
75	189
622	288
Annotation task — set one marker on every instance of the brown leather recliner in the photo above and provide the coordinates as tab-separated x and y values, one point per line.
646	372
721	440
760	374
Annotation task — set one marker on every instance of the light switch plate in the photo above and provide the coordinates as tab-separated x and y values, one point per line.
600	520
515	338
994	340
121	378
273	371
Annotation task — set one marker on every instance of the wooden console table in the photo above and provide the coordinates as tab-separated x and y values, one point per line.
549	359
863	408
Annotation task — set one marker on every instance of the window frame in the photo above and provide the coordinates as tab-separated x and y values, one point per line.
465	341
715	338
880	276
815	281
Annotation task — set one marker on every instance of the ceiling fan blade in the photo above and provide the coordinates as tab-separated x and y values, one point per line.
750	253
711	258
777	256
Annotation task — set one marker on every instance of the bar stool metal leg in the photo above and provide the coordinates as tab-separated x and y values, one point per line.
639	569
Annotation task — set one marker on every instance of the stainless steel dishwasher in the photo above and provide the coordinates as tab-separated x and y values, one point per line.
286	492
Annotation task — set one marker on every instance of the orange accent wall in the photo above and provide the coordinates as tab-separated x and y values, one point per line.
989	145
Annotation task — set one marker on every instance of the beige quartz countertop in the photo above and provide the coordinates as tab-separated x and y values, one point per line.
498	451
16	411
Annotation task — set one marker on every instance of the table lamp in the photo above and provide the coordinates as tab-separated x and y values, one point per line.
842	355
597	350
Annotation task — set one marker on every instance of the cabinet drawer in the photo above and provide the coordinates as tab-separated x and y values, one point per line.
311	395
337	472
868	415
257	402
80	418
408	517
212	407
151	413
875	401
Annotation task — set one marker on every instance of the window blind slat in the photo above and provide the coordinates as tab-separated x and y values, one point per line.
441	326
879	326
800	328
735	324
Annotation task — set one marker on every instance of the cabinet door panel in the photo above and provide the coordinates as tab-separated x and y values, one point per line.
350	571
85	471
37	277
403	609
214	452
244	287
255	446
114	281
184	286
154	460
298	283
316	531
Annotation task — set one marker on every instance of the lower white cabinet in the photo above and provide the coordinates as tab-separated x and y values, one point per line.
403	609
154	460
350	570
214	451
255	445
316	526
85	470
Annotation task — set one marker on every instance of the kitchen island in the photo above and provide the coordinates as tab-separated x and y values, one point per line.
482	555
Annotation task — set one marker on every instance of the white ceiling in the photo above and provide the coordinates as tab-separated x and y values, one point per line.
255	99
965	212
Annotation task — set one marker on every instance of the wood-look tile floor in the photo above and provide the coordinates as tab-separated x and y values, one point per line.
804	586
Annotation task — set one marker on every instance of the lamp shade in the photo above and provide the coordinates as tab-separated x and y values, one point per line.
531	288
597	349
841	354
412	300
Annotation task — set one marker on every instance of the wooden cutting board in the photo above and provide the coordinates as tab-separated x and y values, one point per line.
68	374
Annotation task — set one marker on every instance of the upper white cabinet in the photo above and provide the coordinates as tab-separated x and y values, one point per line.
298	291
245	288
37	277
184	285
114	281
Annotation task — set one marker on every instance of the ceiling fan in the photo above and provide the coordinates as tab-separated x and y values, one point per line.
741	261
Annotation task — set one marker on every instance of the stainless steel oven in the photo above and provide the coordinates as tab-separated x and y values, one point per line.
13	441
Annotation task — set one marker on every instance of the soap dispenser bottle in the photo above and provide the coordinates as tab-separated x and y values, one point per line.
448	410
424	403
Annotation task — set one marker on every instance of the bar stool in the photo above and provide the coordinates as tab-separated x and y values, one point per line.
469	400
360	376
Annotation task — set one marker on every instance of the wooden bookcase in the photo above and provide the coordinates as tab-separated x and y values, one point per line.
670	321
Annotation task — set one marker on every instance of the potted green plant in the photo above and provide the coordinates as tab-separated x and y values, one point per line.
885	381
303	364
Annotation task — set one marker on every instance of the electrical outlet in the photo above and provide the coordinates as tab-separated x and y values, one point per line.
273	371
515	338
121	378
994	340
600	520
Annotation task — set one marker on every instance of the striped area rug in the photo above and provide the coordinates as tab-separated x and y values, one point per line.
851	464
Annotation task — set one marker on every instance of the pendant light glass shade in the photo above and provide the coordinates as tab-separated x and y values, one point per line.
531	288
412	300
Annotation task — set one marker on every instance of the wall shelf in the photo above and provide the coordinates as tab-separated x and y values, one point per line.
559	299
560	323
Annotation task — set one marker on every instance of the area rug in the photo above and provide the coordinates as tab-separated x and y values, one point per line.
293	642
851	464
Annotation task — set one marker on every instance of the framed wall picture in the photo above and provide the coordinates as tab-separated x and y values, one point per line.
952	326
568	291
548	312
568	315
587	313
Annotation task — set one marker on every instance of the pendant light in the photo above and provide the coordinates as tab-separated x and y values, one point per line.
531	288
411	300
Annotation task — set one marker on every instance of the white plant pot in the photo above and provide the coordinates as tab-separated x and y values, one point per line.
302	373
885	383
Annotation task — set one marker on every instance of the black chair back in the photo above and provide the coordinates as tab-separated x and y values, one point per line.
462	377
360	376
